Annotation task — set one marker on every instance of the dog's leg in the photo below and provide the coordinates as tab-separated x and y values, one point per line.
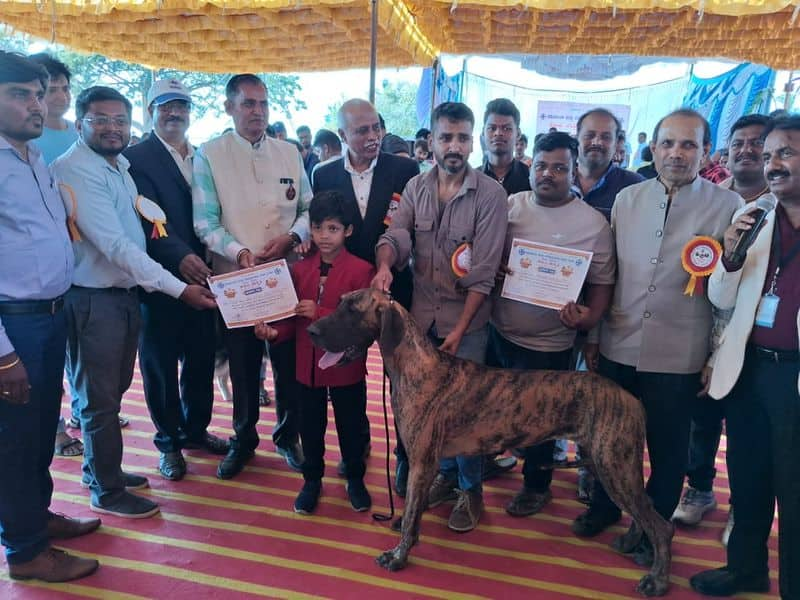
625	486
420	478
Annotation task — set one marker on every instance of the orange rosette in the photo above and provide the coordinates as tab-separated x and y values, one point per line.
461	260
394	204
699	257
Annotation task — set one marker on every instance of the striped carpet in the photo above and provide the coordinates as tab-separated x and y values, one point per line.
241	539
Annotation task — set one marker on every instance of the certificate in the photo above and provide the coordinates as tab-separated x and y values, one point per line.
250	296
545	275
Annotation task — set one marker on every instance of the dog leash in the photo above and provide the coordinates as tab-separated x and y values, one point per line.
380	516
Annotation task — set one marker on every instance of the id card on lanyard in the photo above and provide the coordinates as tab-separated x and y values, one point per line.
768	306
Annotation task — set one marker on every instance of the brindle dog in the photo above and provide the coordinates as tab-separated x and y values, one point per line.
446	406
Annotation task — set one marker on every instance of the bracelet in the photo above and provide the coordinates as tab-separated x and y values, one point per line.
13	363
239	255
296	239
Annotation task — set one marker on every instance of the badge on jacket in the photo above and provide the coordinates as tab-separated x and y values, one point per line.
152	212
699	257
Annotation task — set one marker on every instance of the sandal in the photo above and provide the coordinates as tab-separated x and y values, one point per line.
68	446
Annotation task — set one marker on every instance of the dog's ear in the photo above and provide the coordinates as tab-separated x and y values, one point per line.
392	329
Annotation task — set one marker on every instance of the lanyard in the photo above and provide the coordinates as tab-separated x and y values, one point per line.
783	259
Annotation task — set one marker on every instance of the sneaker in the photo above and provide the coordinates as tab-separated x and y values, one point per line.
693	506
494	466
128	506
132	482
726	533
358	494
467	511
308	498
293	455
594	521
442	490
560	452
527	502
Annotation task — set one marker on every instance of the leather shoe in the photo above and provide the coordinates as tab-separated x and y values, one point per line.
722	582
54	566
62	527
172	466
234	462
209	443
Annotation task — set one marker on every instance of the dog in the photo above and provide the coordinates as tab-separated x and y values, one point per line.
445	406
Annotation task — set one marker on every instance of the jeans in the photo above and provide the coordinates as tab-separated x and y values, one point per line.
508	355
28	432
467	469
103	326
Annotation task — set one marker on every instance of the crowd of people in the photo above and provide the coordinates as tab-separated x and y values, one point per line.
700	337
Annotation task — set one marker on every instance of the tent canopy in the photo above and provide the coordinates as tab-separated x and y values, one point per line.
310	35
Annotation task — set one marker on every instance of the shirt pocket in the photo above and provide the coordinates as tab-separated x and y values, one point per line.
424	237
457	236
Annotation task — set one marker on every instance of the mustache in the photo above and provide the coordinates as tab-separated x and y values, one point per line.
454	155
176	119
777	173
595	149
749	156
546	180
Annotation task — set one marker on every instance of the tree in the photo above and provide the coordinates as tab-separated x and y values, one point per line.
397	103
133	80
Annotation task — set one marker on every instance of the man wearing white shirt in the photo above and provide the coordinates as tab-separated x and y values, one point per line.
103	304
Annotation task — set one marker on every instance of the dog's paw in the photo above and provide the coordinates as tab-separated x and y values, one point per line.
652	586
390	560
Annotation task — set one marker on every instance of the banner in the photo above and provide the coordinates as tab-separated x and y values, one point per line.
585	67
445	89
564	115
723	99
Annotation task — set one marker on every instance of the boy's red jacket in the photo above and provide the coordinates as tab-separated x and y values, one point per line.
347	274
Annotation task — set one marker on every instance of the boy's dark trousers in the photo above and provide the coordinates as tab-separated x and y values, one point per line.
349	409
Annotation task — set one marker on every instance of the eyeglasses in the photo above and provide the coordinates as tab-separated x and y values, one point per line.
103	121
176	106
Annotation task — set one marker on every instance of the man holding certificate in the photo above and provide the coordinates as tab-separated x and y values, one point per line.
552	238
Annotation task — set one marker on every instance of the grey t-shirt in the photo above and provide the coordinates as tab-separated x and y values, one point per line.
573	225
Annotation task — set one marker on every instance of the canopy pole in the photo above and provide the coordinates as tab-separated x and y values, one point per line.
373	51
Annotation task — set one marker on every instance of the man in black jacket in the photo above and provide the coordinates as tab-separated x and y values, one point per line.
373	182
172	332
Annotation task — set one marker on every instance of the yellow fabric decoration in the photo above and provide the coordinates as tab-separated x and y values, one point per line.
226	36
72	211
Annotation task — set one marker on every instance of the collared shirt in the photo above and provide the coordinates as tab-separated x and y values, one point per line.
206	204
476	217
715	173
362	182
518	178
783	334
54	142
602	195
111	252
37	261
184	163
651	323
573	225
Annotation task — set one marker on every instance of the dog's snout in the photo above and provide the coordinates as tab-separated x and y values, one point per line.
313	330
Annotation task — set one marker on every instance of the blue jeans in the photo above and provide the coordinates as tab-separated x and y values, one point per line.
466	468
27	434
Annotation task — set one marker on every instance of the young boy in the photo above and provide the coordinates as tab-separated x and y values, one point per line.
320	280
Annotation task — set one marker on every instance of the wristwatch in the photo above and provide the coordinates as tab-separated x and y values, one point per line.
296	241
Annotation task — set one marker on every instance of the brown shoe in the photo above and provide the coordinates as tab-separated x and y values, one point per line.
62	527
528	502
54	566
467	511
442	490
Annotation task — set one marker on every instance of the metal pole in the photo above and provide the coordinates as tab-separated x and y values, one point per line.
373	51
435	77
787	91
